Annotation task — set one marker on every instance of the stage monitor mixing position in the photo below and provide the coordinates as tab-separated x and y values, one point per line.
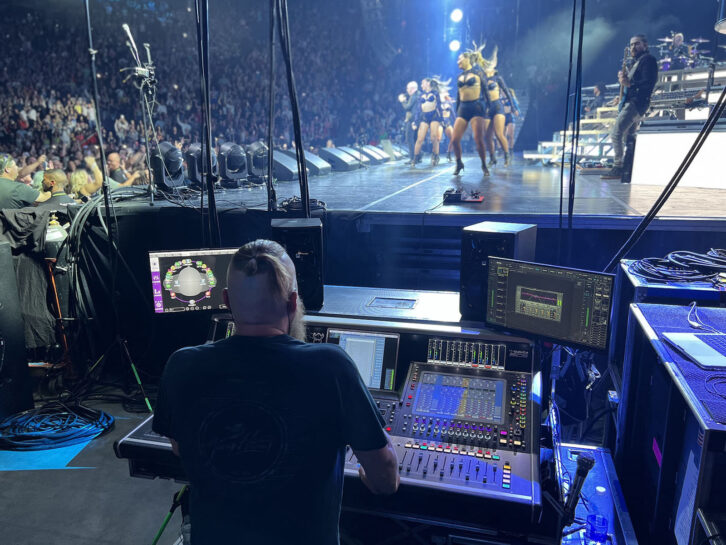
375	355
567	305
189	279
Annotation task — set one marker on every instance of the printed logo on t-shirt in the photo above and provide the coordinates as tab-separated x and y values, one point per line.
242	443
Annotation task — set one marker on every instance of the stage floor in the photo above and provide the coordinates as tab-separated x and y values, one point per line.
522	189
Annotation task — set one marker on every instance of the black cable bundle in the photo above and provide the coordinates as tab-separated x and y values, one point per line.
682	266
85	265
53	425
702	262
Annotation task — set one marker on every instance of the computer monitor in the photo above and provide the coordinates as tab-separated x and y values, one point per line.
375	355
569	306
189	280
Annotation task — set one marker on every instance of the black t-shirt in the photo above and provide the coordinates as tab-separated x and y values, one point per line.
16	194
58	202
262	424
118	175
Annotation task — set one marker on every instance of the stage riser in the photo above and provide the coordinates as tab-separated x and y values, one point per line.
662	145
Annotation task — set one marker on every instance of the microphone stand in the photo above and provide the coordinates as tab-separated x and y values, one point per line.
213	233
99	133
145	81
271	194
119	340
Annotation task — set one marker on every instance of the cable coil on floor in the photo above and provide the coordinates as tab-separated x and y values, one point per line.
53	425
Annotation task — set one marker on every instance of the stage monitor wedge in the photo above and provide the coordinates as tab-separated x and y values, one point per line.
284	167
568	306
316	165
402	152
383	155
358	156
339	160
372	157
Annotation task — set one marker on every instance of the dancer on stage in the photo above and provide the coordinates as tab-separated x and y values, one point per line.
429	116
496	118
509	113
471	106
447	121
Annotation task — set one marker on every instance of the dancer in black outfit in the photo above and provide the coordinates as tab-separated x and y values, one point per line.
429	115
496	118
471	106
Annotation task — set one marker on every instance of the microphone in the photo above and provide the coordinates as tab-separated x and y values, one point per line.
131	40
585	462
148	53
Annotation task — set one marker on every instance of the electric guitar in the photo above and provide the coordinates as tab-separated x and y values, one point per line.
623	96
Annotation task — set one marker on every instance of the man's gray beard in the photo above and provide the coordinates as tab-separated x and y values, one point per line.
297	327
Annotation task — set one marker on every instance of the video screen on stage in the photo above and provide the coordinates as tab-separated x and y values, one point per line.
374	354
189	280
567	305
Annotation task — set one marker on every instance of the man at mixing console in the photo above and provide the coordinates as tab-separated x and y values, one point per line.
261	420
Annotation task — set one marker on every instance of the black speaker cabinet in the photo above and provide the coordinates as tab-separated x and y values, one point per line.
489	238
356	155
316	165
303	240
339	160
15	390
284	167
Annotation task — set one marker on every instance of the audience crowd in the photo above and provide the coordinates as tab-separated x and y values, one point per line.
46	107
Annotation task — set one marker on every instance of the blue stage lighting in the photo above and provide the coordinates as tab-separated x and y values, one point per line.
454	45
456	15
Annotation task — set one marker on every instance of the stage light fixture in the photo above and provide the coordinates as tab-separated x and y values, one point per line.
196	159
454	45
457	15
257	153
721	21
232	164
167	166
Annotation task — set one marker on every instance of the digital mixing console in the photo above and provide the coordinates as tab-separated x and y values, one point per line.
463	429
461	407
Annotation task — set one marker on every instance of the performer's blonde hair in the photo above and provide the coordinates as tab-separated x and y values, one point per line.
474	55
440	86
491	62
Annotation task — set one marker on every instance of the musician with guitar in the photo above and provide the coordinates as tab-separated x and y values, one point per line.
636	85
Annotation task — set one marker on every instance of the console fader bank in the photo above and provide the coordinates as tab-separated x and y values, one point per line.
462	409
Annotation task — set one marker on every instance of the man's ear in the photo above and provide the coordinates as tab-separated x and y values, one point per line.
292	303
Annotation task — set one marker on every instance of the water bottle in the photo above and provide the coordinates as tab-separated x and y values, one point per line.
596	527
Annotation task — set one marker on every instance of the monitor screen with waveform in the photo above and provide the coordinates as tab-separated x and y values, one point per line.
189	280
569	306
